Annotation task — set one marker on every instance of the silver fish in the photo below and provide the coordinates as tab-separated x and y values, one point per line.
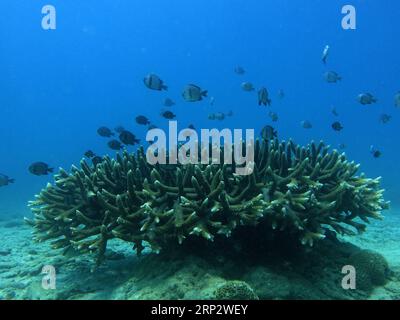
247	86
366	98
332	77
325	54
153	82
263	97
193	93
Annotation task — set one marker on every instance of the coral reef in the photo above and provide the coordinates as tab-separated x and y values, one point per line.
372	269
302	191
235	290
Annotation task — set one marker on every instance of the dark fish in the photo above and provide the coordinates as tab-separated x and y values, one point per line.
366	98
5	180
263	97
375	152
193	93
216	116
119	129
385	118
273	116
168	115
337	126
114	145
332	77
142	120
306	124
247	86
96	160
268	133
153	82
40	169
190	126
105	132
169	102
128	138
239	70
89	154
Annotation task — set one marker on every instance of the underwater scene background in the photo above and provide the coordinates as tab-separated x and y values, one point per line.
57	87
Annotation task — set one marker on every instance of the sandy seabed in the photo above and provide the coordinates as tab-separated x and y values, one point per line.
124	276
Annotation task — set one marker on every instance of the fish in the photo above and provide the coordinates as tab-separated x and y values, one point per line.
193	93
385	118
306	124
119	129
397	100
273	116
114	145
96	160
142	120
281	94
247	86
375	152
169	102
89	154
325	54
153	82
128	138
334	112
263	97
366	98
332	77
5	180
216	116
239	70
337	126
269	133
168	115
190	126
40	169
105	132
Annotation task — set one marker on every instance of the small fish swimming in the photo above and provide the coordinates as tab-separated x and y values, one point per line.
375	152
168	115
190	126
366	98
169	102
325	54
193	93
216	116
247	86
5	180
337	126
269	133
114	145
385	118
40	169
153	82
332	77
397	100
306	124
105	132
89	154
142	120
239	70
128	138
263	97
273	116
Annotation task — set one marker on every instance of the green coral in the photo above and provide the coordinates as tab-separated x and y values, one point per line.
298	190
235	290
371	267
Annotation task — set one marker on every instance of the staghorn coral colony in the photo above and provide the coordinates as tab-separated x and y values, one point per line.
301	191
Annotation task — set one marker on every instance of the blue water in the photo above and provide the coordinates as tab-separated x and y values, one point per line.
57	87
